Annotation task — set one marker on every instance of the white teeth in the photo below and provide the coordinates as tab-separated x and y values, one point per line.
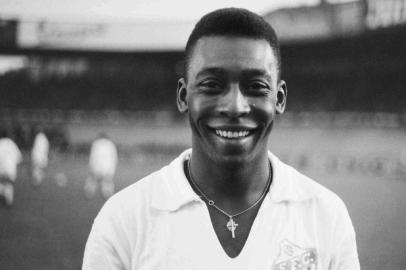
232	134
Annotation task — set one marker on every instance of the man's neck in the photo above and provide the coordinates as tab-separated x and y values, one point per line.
228	184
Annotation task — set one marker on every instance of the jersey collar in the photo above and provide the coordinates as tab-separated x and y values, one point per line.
175	192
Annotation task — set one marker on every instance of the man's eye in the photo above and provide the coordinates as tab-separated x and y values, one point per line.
210	85
259	87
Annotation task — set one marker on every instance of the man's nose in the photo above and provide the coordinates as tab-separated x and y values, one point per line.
234	103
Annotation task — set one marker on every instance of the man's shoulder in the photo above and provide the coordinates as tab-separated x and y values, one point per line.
154	187
320	191
141	189
304	188
328	204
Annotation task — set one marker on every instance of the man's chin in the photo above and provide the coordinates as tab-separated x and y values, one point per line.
232	159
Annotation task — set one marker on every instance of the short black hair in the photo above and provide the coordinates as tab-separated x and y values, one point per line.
233	22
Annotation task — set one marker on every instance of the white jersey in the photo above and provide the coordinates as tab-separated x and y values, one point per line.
103	158
40	149
161	223
10	157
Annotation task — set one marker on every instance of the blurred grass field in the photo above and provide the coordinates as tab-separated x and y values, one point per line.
47	226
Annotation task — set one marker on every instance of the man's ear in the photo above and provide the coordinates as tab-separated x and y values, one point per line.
281	96
181	96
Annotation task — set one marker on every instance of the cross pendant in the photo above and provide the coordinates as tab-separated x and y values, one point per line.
232	226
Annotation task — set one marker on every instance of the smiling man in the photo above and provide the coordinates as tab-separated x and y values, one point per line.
227	203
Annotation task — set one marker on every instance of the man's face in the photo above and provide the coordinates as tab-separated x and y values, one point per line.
232	94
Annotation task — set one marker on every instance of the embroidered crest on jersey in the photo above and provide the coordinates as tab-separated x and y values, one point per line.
293	257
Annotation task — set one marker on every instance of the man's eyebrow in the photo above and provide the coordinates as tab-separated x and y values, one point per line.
211	70
246	73
257	72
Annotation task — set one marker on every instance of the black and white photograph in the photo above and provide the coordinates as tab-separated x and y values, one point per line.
203	135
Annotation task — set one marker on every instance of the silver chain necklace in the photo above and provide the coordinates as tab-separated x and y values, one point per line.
231	224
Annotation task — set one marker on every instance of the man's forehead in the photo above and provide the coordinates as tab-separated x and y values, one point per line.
224	50
229	42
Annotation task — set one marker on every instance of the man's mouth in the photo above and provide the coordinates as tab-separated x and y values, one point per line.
228	134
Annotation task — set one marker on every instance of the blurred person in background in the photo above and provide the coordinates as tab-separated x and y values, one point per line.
102	167
227	203
39	157
10	157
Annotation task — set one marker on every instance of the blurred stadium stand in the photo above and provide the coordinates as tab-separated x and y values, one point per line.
342	63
